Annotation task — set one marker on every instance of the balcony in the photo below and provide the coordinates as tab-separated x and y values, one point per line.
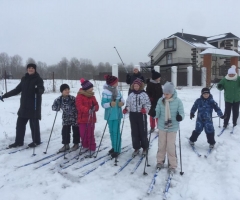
175	61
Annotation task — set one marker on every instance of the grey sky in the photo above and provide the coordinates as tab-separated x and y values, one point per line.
48	30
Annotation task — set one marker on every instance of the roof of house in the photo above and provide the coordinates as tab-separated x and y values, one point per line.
220	52
221	37
195	40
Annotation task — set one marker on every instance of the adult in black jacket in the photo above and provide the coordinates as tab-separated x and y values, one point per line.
154	91
131	78
30	85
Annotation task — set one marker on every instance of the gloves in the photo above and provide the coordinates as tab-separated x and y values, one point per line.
125	111
178	117
223	117
143	111
1	98
113	104
120	104
192	115
91	110
152	113
219	86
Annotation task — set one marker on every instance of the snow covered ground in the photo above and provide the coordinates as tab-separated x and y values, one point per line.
216	177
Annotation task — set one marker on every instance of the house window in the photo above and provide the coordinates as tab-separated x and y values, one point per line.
235	43
169	58
168	43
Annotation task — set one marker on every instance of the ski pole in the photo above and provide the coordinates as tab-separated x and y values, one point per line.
91	132
51	133
103	132
121	59
146	160
35	121
219	107
181	173
120	138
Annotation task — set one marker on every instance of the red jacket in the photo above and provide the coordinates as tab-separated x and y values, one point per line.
84	102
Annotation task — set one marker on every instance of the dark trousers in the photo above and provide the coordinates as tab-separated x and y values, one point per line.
210	137
138	130
235	112
66	130
21	128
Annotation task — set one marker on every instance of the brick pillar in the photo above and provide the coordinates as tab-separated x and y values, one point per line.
207	62
234	61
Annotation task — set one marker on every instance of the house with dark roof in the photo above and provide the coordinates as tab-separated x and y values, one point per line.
183	50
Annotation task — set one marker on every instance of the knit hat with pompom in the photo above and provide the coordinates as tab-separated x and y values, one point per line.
111	80
85	84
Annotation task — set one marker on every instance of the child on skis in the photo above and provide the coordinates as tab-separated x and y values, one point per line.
154	91
112	101
169	111
205	105
138	104
66	102
87	106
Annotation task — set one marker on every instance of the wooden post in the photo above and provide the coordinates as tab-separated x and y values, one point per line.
207	62
234	61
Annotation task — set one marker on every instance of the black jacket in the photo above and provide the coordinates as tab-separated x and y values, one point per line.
154	91
27	101
131	78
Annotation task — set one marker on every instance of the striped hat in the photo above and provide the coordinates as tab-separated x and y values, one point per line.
111	80
137	81
85	84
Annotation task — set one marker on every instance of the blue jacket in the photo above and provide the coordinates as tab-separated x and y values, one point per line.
111	113
205	108
176	106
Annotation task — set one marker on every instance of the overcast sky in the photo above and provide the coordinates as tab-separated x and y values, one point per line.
48	30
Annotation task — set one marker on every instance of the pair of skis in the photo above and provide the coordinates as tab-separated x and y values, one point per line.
222	131
209	151
167	185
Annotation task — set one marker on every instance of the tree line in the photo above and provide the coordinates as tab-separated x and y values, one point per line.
72	69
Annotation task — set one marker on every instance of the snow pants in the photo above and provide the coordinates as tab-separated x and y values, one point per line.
138	123
21	128
166	144
209	129
66	130
87	135
235	112
114	129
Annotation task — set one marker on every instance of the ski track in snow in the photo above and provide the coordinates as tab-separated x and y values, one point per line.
216	177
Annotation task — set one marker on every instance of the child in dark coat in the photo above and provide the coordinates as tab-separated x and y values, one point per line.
66	102
155	92
205	105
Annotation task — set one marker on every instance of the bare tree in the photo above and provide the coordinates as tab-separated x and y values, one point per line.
4	62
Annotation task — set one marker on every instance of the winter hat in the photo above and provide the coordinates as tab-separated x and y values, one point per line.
111	80
168	88
205	90
137	81
85	84
136	67
155	75
32	65
63	87
232	70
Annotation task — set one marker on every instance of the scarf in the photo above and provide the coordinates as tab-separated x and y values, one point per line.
168	120
86	93
153	81
113	90
231	78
